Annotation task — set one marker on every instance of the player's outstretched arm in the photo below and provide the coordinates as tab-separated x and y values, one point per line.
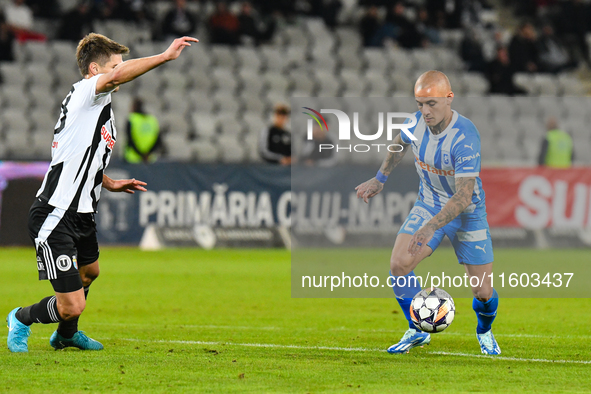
372	187
123	185
456	204
133	68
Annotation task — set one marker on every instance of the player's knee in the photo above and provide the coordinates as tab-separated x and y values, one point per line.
482	293
70	312
401	265
88	276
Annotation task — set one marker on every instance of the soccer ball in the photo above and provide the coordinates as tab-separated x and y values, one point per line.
432	310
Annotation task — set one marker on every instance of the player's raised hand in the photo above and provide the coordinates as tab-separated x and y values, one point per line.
177	46
369	189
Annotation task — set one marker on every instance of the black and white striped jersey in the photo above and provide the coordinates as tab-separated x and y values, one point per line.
83	141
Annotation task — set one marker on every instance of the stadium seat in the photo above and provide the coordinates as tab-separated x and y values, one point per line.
348	39
205	125
526	106
253	122
546	84
39	52
200	101
502	106
425	59
474	84
12	75
302	81
15	98
41	140
274	59
379	85
571	86
251	103
354	82
376	60
200	58
224	57
177	102
328	84
402	82
551	106
249	59
295	36
205	151
226	102
324	61
202	81
403	64
224	79
526	82
153	101
229	125
350	60
231	149
178	147
174	80
174	123
251	83
42	119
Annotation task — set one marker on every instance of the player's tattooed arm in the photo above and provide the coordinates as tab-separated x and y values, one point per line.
456	204
372	187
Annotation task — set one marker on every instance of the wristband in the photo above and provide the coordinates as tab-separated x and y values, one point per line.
381	177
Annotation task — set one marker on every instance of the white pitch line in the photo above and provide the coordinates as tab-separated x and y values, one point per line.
394	331
535	360
355	349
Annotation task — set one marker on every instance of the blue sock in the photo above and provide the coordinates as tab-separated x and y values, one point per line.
404	294
486	312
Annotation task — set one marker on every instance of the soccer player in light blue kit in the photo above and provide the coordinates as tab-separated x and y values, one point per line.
451	202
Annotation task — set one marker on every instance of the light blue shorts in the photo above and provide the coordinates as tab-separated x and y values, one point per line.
468	233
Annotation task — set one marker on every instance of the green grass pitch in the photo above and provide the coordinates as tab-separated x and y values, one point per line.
224	321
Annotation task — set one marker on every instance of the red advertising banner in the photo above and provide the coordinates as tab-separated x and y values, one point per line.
536	198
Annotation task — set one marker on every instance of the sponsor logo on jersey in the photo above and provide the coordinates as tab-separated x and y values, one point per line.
468	158
107	137
64	263
433	170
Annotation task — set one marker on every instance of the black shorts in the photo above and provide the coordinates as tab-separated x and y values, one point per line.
64	240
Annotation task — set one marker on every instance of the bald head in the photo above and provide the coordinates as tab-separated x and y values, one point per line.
433	84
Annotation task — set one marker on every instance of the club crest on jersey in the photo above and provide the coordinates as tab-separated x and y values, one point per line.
107	137
445	158
63	262
433	170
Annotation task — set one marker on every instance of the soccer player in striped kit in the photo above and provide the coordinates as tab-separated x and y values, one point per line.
451	202
61	220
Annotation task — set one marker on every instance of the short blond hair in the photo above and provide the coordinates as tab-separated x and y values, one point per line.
97	48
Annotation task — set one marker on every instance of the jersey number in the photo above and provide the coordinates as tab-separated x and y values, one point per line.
64	112
413	220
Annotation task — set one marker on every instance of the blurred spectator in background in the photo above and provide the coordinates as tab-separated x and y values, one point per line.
554	57
6	41
275	141
76	23
402	29
523	49
20	19
557	147
572	24
143	135
223	26
179	21
369	27
45	8
500	74
428	29
311	152
471	51
329	11
253	27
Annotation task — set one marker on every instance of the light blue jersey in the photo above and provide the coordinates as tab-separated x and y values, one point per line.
441	158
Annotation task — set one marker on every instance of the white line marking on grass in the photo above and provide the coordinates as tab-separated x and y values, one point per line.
263	345
394	331
535	360
353	349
